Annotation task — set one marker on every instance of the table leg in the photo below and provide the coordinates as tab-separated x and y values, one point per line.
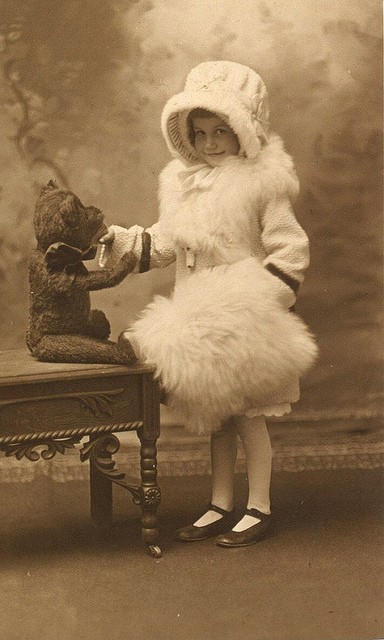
151	495
100	491
148	435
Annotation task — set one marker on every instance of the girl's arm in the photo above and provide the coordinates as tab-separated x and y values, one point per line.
287	248
157	250
151	247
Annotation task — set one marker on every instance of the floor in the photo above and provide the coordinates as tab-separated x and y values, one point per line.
319	578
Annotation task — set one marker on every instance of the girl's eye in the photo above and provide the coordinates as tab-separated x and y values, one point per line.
199	134
221	131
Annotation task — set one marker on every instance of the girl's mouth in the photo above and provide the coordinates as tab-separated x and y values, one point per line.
220	153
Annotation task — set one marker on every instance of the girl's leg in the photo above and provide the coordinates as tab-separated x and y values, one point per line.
218	518
223	459
254	435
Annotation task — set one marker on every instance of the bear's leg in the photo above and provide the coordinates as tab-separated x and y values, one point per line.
82	349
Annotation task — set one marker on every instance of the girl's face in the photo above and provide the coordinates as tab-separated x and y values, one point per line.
214	140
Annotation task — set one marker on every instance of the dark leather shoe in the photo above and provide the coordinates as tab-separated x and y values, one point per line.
249	536
191	533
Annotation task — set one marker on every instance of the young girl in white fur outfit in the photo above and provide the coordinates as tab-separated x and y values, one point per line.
227	349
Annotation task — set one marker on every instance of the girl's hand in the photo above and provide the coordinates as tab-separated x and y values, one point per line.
106	242
119	240
284	293
109	237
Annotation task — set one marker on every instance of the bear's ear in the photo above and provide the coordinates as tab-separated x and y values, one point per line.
49	187
70	209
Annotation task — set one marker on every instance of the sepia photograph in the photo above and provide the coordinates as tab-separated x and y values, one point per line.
191	320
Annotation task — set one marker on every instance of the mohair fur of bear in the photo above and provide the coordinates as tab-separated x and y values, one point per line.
62	326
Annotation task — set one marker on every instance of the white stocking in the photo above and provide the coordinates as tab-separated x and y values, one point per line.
254	435
223	459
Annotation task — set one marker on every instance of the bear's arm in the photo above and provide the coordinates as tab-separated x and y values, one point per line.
94	280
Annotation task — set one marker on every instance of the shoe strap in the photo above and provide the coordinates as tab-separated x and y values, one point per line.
255	513
223	512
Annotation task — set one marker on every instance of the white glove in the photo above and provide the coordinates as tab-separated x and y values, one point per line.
283	292
118	241
106	245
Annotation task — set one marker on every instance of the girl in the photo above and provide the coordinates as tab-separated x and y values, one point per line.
225	346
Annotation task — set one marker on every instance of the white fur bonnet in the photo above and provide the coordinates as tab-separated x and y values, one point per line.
232	91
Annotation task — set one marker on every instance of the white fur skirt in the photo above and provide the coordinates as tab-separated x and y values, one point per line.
222	344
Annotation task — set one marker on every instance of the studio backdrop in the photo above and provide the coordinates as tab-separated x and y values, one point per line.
82	86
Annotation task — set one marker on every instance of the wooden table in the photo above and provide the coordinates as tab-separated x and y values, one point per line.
47	408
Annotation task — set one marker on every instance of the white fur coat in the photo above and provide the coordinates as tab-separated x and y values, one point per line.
225	342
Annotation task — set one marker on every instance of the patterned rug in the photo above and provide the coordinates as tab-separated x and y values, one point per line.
310	443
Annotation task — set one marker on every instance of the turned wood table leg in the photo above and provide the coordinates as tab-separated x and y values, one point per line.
148	435
151	495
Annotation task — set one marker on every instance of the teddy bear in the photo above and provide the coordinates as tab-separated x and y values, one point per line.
62	326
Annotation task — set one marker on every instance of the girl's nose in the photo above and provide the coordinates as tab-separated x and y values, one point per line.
210	142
